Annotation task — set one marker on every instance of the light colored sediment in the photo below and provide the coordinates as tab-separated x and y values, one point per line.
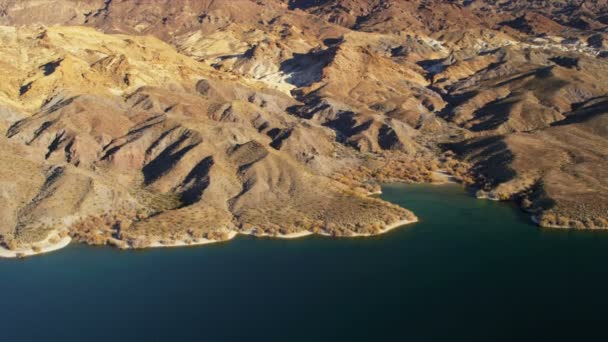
395	225
295	235
486	196
44	246
183	243
385	230
443	177
388	228
305	233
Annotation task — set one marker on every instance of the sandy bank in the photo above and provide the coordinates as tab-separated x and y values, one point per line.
295	235
443	177
305	233
183	243
487	196
396	225
44	246
385	230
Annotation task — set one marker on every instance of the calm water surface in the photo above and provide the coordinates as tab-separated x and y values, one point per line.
471	270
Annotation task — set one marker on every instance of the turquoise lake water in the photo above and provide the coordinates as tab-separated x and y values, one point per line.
471	270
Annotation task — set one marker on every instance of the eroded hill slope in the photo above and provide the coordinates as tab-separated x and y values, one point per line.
136	123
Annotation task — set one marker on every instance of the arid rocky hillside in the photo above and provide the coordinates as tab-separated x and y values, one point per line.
141	123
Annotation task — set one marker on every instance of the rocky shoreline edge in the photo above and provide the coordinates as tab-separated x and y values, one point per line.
55	241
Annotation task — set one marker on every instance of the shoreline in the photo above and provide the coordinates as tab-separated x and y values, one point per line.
290	236
305	233
444	178
485	195
536	220
182	243
45	247
386	229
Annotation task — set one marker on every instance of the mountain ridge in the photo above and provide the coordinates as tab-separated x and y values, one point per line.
141	123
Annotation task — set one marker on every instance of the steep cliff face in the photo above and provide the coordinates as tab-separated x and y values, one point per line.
137	122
